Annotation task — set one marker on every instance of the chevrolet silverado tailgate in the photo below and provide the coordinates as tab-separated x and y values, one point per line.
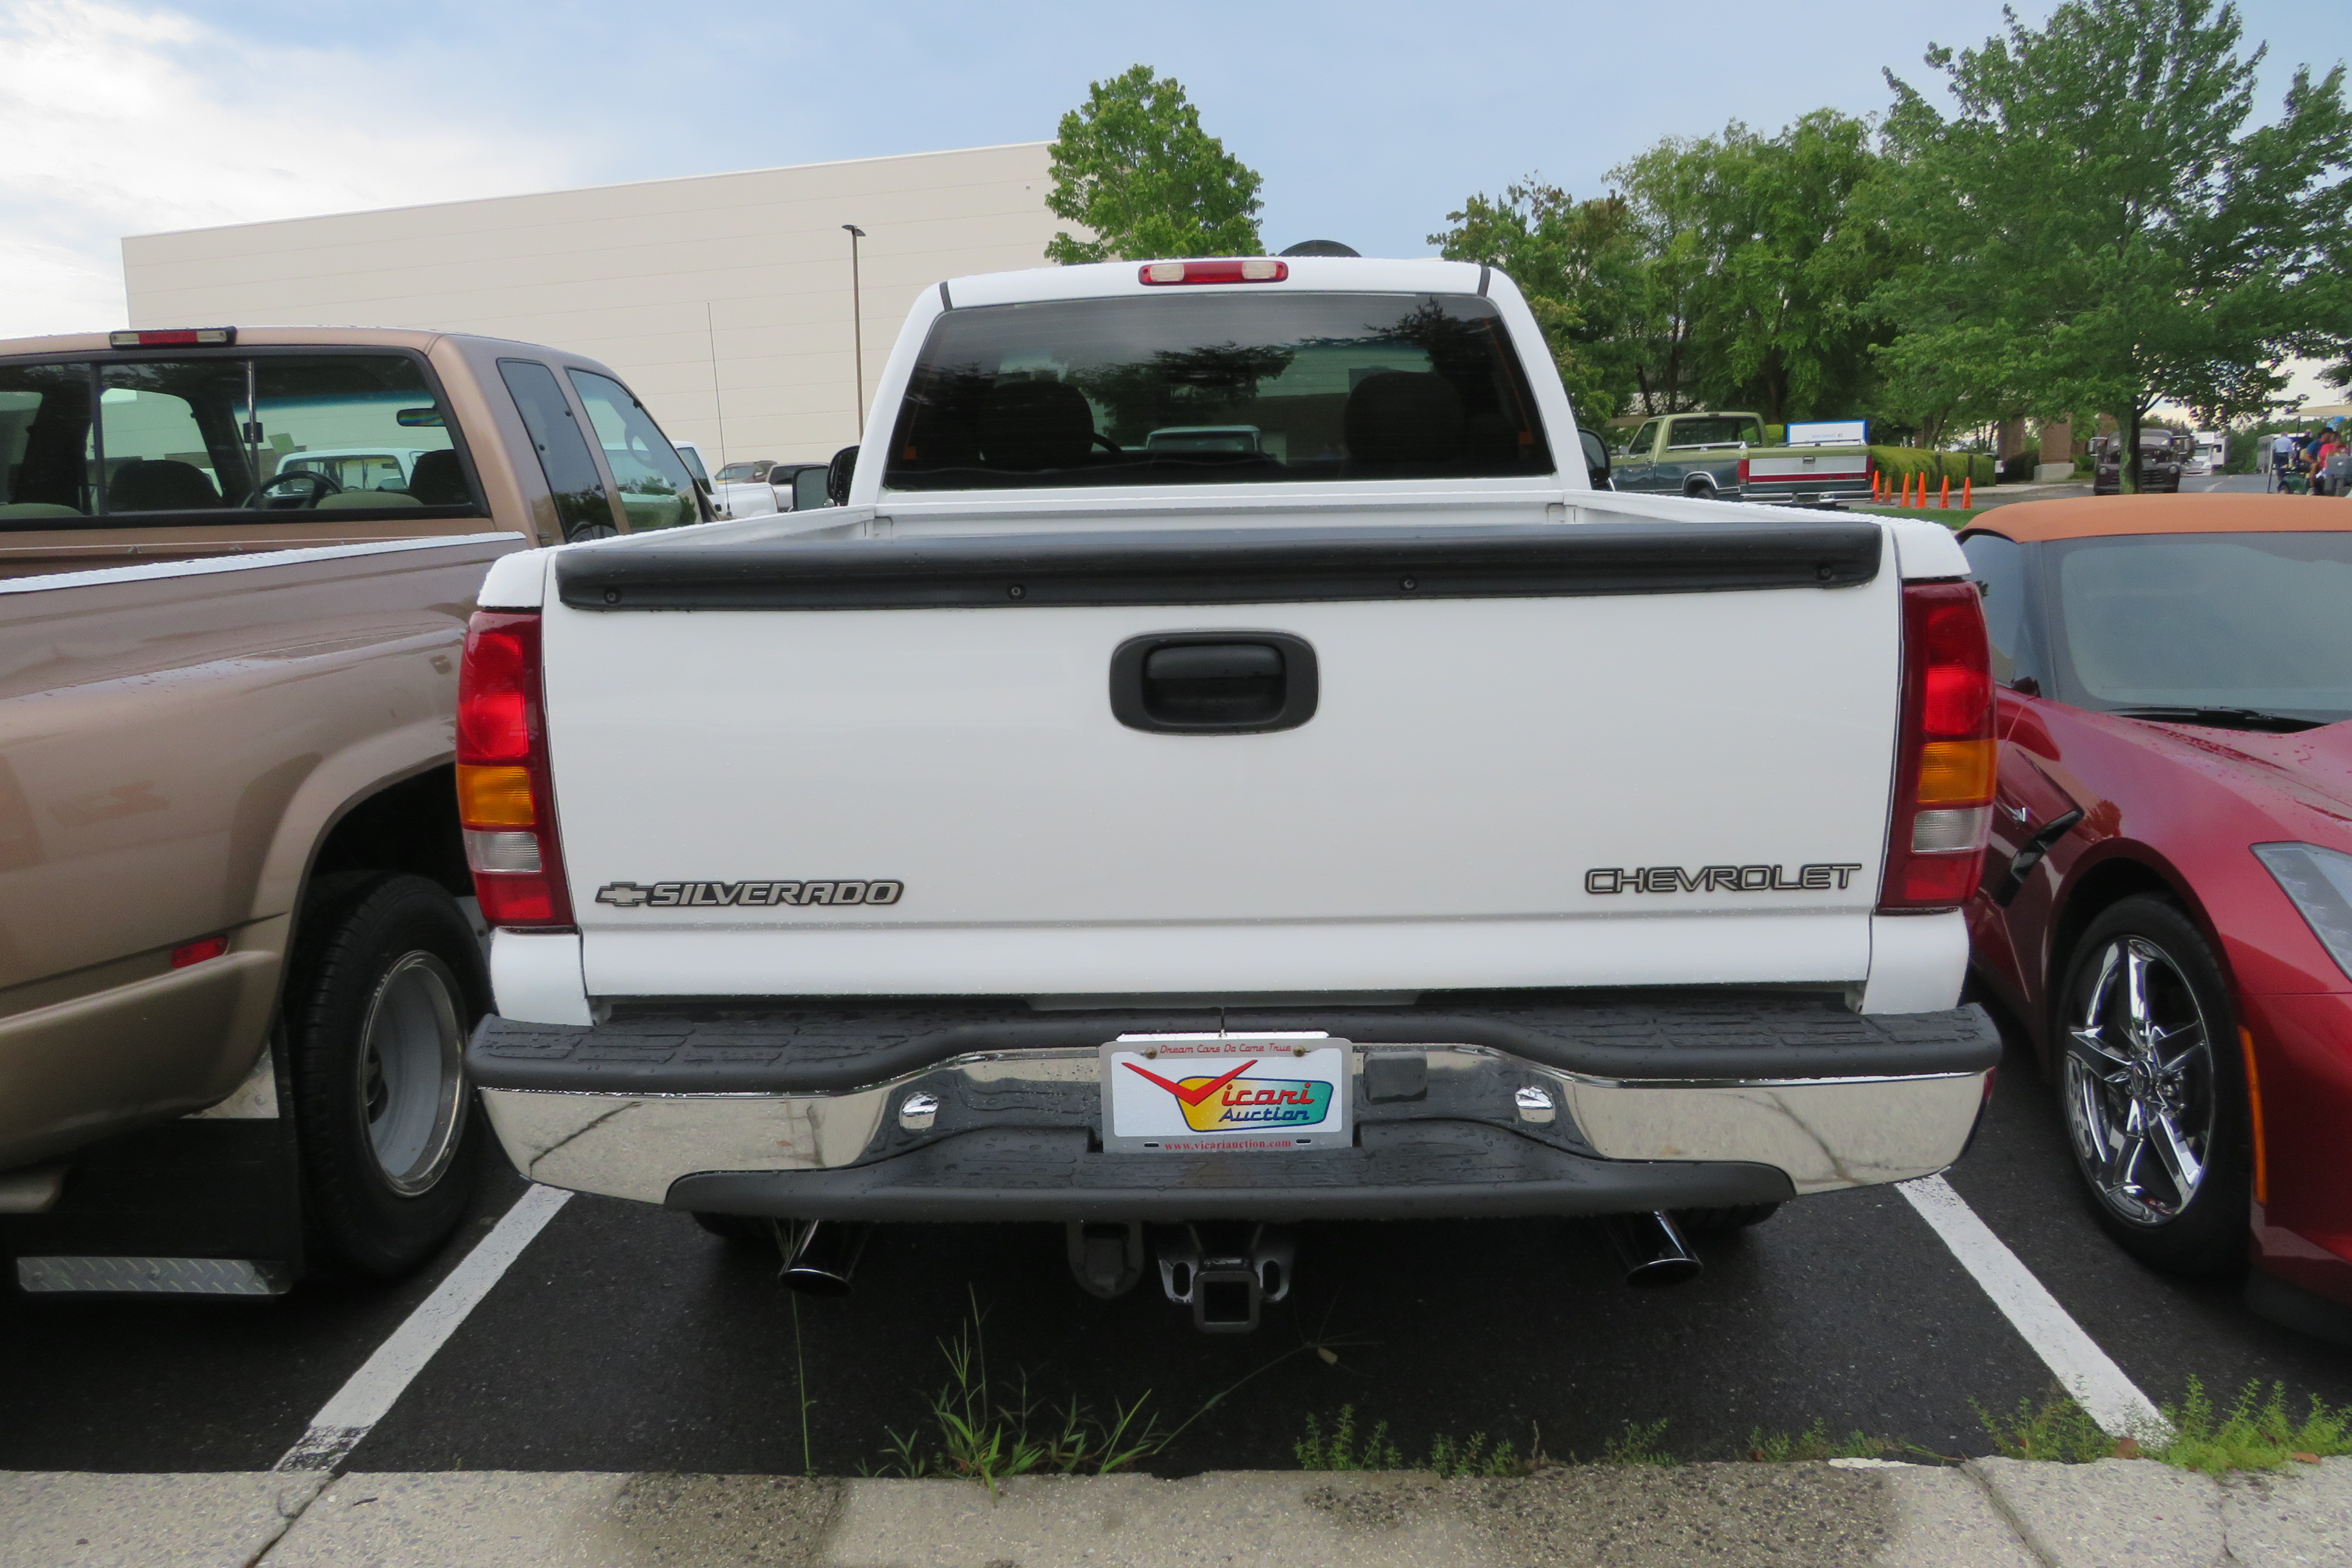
1007	763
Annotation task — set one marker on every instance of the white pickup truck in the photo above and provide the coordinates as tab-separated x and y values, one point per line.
1365	819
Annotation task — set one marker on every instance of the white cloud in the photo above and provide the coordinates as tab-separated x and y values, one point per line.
134	121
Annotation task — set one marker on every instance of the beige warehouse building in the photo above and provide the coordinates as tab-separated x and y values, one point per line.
723	300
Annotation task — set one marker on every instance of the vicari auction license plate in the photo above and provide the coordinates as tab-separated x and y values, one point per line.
1202	1093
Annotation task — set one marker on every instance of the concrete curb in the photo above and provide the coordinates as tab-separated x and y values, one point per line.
1990	1514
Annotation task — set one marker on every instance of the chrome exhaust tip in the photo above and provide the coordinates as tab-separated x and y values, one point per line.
825	1258
1651	1250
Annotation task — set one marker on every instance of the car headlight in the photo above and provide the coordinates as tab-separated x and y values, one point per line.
2319	881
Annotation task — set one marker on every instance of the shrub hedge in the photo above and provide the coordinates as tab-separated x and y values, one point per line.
1898	463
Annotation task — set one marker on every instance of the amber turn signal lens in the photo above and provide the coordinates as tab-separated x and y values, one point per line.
1956	772
494	797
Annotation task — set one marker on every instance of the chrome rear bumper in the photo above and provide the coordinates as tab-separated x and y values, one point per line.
1445	1127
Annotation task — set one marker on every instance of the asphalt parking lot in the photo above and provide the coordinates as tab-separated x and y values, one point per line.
624	1338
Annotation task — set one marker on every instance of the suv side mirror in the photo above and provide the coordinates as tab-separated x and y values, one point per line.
1596	458
836	477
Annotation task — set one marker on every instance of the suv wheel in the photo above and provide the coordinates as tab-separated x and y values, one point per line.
386	985
2152	1088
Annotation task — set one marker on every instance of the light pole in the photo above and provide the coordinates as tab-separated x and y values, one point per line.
856	327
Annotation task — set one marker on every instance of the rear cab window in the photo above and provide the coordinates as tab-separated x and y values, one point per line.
267	434
1714	430
1219	389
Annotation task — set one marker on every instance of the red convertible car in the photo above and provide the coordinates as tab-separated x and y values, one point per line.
2167	902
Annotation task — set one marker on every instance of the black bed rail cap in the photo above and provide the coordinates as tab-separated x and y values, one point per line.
1225	566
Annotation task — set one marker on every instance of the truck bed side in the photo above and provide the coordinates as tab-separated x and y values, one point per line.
178	745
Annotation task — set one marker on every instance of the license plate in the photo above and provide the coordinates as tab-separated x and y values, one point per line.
1212	1093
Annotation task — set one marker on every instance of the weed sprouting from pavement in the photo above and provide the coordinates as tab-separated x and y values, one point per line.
983	1438
977	1436
2057	1429
2256	1434
1815	1443
1339	1449
1638	1444
1473	1457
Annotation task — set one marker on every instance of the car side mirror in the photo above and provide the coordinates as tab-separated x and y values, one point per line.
1596	459
837	476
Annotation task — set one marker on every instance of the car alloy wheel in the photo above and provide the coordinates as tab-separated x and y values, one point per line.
2142	1103
412	1071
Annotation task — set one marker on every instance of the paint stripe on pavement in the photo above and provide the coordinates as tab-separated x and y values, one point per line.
370	1391
2082	1368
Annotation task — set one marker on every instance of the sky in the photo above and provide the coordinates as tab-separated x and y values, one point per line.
1369	120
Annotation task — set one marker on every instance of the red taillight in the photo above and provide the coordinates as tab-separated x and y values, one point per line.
172	337
1743	473
506	798
1246	270
1945	759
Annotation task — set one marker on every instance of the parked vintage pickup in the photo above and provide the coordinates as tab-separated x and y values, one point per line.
1723	457
237	956
1365	820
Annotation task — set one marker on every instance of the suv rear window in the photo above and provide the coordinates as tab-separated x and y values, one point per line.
1218	389
184	440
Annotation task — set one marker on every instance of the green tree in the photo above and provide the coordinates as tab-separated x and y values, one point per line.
1758	273
1578	264
1796	333
2097	228
1133	165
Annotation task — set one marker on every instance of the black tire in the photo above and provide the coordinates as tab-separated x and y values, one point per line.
1722	1221
2140	1101
384	967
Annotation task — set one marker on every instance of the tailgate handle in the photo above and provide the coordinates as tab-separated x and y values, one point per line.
1213	683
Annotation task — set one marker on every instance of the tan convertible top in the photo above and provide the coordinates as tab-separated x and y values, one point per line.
2098	517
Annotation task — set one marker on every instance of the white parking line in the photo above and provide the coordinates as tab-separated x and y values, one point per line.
365	1397
2082	1368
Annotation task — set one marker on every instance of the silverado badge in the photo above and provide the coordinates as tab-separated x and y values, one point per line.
747	895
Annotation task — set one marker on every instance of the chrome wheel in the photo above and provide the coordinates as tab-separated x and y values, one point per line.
2141	1100
412	1076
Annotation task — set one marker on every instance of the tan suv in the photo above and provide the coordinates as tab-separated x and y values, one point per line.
237	958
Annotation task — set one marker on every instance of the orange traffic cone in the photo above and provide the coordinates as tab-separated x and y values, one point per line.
1874	486
1902	496
1945	500
1968	492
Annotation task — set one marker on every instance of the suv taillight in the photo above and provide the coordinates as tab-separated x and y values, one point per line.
505	801
1945	759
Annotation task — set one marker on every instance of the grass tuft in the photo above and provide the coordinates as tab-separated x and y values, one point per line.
2058	1429
1814	1443
2256	1434
977	1436
1338	1450
1638	1444
1343	1448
